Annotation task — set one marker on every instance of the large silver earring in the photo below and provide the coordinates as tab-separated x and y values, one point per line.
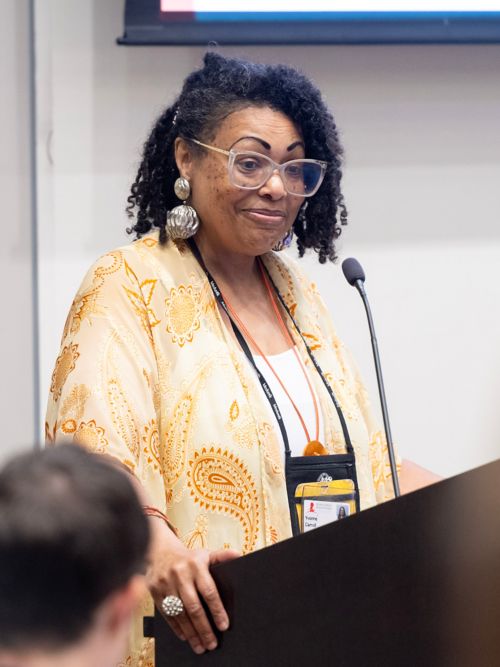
182	221
285	242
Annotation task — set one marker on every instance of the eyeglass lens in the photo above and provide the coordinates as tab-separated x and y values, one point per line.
251	170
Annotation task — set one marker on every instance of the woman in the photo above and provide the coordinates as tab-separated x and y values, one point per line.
160	352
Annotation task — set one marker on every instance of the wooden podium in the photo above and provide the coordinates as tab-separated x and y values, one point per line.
413	582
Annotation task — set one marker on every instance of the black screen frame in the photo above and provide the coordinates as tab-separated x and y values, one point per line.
144	27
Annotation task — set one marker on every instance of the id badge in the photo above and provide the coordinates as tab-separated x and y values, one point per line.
320	503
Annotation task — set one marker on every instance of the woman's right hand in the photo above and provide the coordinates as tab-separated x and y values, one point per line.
176	570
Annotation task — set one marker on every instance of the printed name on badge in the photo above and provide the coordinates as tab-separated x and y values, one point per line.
318	513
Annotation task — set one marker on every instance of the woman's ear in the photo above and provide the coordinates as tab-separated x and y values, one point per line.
183	157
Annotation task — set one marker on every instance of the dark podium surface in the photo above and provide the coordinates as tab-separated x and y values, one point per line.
415	581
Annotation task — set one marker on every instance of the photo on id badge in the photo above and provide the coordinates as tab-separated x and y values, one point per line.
317	513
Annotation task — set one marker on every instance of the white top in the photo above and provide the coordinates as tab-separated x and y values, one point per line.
289	371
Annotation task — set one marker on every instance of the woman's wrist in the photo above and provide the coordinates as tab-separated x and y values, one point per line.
154	512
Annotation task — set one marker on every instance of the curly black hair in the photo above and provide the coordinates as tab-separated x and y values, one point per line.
210	94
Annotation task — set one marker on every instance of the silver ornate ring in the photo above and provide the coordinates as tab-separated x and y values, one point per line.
172	606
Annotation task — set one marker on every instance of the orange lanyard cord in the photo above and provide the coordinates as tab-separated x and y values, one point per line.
288	338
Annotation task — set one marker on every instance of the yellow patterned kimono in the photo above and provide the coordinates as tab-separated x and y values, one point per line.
148	373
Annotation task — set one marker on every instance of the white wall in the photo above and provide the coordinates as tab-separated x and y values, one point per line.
17	417
421	128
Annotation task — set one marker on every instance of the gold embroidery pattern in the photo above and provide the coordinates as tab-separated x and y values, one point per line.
337	443
287	290
197	538
313	291
142	658
272	454
176	435
68	426
123	418
285	284
65	363
50	434
313	341
148	241
82	308
241	426
91	436
159	389
220	482
345	396
182	311
116	263
241	371
379	460
85	303
151	440
234	411
141	301
130	465
272	535
74	403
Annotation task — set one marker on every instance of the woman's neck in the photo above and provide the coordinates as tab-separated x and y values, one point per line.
240	280
227	266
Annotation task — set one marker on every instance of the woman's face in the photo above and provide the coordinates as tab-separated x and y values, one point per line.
247	222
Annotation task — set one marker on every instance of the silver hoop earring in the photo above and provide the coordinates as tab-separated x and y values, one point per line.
285	242
182	221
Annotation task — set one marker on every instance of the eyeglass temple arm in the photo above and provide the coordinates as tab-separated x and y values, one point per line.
212	148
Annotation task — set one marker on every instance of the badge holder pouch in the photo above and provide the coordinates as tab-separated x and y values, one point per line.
329	478
319	503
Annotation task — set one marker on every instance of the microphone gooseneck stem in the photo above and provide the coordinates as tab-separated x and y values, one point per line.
380	381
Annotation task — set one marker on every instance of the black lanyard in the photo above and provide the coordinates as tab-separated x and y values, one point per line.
244	346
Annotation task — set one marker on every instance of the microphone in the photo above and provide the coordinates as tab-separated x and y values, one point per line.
355	276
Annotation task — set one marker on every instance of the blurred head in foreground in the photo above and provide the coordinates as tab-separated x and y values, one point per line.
73	543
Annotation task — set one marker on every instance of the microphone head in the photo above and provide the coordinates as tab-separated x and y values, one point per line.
353	271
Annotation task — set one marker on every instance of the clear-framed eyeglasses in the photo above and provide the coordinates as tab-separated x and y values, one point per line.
250	171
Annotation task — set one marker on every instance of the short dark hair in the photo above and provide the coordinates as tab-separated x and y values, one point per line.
72	531
210	94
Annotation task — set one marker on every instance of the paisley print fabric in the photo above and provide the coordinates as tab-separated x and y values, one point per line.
149	374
